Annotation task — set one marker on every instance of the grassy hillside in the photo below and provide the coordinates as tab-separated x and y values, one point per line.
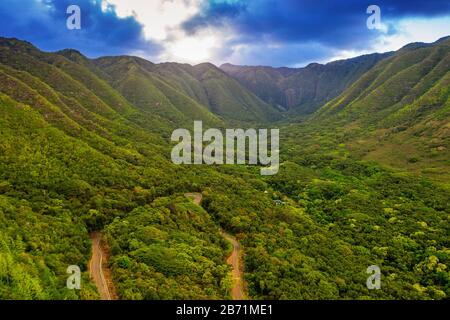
181	90
219	92
131	77
398	112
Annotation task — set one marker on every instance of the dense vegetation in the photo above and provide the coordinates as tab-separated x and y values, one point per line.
169	249
85	146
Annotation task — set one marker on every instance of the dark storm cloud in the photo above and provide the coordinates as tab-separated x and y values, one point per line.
337	25
44	24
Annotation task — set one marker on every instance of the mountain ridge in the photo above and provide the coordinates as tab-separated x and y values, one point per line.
301	91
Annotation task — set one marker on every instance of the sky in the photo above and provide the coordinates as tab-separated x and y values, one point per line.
245	32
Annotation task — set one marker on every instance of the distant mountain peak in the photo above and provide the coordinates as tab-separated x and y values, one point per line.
302	90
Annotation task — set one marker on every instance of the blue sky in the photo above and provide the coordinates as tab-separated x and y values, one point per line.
250	32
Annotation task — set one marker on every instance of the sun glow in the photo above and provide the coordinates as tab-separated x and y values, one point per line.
162	20
158	17
191	49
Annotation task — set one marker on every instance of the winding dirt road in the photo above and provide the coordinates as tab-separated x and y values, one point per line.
234	260
97	268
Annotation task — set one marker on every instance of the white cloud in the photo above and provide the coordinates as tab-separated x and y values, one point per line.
159	17
191	49
407	31
414	30
162	21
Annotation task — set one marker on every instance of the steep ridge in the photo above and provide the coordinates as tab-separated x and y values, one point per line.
180	90
131	77
212	87
303	90
398	112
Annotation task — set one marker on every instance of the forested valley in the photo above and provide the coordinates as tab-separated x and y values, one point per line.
85	146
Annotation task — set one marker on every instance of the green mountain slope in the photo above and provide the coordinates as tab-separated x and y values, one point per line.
131	77
303	90
181	90
219	92
398	112
75	155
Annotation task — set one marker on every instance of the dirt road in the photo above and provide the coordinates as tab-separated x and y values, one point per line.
234	260
196	197
97	267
